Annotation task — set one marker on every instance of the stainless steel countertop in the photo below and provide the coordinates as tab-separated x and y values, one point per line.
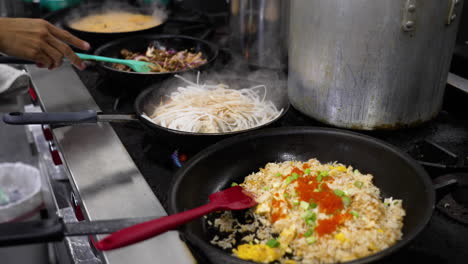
102	172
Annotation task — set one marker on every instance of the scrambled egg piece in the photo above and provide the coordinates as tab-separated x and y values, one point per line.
341	168
259	253
335	170
287	235
341	237
265	254
263	208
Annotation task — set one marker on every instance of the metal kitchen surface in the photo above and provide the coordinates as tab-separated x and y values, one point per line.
108	183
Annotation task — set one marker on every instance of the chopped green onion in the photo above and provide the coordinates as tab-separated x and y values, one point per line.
309	215
310	222
234	184
304	205
309	233
346	200
321	175
289	180
313	205
319	188
278	174
311	240
273	243
356	171
395	202
356	214
295	176
266	188
358	184
387	204
294	193
340	193
295	202
324	173
307	171
286	195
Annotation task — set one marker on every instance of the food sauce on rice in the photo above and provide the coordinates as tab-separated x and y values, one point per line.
309	212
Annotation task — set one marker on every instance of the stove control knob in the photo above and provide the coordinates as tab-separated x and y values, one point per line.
55	154
76	207
47	132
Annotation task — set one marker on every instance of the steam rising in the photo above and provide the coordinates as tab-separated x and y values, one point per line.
154	9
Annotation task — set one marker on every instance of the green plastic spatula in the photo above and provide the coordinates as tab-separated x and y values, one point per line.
138	66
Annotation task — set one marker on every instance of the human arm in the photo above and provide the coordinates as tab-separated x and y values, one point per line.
40	41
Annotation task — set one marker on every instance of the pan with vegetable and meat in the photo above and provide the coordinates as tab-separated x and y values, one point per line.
324	196
188	112
168	55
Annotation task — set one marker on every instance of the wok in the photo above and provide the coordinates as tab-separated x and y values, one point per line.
97	39
144	104
215	168
133	81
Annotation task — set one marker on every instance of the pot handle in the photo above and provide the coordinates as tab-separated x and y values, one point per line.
409	16
18	118
452	14
31	232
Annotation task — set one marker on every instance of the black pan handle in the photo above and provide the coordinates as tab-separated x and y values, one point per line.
31	232
14	60
18	118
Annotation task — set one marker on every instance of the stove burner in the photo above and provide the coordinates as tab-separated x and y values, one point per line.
453	189
178	158
436	159
432	153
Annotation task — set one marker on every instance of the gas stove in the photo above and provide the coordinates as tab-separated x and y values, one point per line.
440	145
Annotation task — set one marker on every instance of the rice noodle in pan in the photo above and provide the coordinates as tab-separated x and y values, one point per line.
203	108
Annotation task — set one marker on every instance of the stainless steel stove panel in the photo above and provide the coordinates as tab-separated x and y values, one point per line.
101	171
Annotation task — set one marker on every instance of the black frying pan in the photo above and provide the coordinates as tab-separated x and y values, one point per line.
134	81
145	103
395	173
97	39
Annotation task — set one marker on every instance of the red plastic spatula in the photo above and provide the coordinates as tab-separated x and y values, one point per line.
234	198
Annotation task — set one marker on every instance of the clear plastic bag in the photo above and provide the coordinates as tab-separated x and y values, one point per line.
20	187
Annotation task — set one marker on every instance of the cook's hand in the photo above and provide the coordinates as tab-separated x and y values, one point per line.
40	41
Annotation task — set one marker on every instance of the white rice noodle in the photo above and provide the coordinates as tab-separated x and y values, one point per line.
203	108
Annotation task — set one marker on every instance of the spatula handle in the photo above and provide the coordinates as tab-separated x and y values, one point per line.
143	231
100	58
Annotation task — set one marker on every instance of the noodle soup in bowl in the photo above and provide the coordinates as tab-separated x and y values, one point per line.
194	111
